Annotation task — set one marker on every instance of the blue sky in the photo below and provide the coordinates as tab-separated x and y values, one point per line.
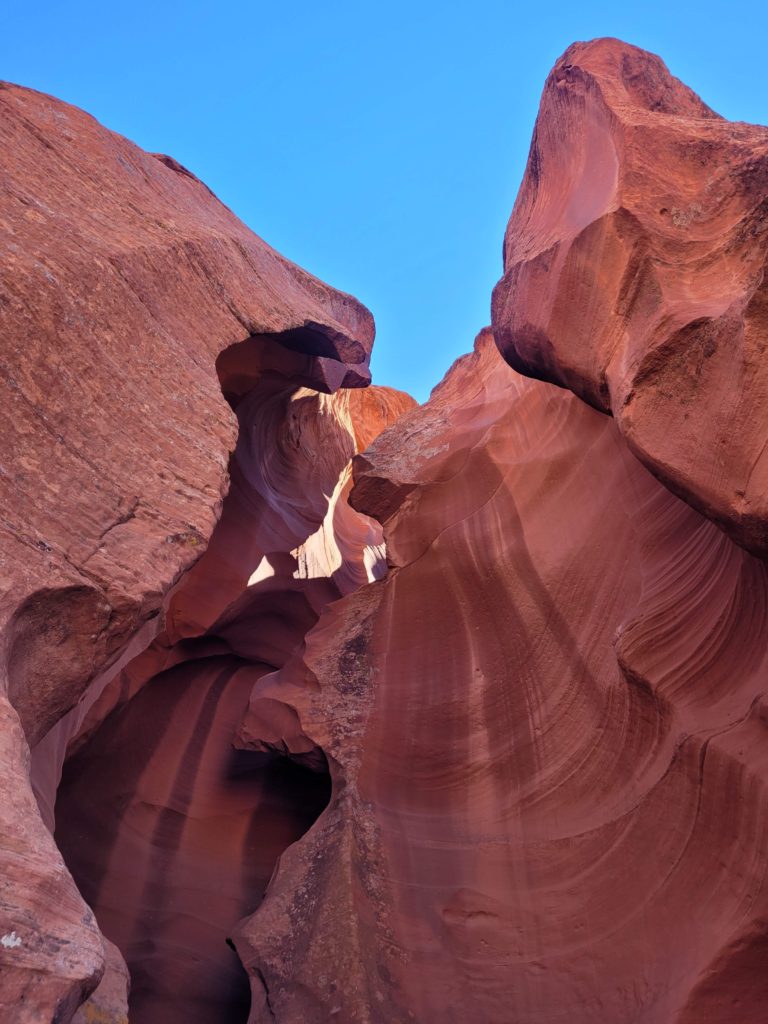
379	145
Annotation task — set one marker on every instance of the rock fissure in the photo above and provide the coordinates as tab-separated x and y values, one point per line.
211	778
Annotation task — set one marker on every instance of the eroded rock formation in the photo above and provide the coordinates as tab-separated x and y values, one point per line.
123	280
546	726
635	274
482	737
172	835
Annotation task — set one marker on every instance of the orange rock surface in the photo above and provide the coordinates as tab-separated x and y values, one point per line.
122	280
546	734
481	737
635	274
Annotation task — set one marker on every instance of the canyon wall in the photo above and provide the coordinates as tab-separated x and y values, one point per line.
136	314
546	728
546	731
480	737
634	274
171	834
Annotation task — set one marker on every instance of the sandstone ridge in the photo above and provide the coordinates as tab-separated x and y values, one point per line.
634	274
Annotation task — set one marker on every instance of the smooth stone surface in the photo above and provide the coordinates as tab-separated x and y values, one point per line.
546	733
635	274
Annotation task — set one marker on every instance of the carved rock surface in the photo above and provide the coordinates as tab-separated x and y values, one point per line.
122	281
635	274
546	730
519	777
171	834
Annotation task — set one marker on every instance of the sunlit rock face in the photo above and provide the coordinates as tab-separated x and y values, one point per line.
634	274
481	737
546	734
171	833
122	282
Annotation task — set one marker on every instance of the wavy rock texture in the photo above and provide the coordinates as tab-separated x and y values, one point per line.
635	274
122	281
526	767
545	728
171	834
546	734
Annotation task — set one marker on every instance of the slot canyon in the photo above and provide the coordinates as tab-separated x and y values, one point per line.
319	705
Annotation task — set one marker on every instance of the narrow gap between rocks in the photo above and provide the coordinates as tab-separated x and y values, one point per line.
170	833
172	836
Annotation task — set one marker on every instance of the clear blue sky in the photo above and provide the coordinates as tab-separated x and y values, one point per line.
379	145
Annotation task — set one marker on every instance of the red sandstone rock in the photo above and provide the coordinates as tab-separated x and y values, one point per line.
171	835
544	729
122	280
635	274
108	1004
546	735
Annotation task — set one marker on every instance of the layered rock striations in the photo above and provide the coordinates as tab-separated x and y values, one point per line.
546	726
546	735
480	737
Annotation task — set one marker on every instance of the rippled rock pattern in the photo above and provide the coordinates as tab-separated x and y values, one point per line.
481	737
547	734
